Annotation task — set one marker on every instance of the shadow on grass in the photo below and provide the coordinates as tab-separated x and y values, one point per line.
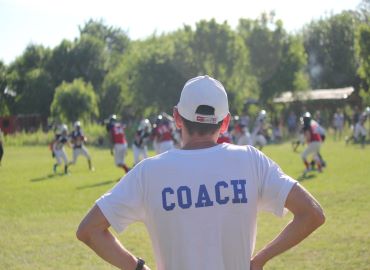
98	184
306	177
47	177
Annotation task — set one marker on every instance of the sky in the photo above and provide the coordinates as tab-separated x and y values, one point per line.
48	22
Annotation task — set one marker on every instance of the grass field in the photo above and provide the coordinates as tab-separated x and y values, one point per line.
39	211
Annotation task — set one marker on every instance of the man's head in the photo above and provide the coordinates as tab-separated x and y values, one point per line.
262	115
145	125
77	125
112	118
203	105
63	129
306	119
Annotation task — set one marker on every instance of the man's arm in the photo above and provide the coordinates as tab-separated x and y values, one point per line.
94	232
308	216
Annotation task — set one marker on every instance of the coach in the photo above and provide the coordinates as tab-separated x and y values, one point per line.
200	203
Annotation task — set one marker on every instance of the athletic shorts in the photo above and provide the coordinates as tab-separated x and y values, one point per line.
61	155
312	148
80	151
139	153
120	150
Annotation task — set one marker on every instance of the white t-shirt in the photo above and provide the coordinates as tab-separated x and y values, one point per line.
359	130
338	120
244	139
258	127
199	206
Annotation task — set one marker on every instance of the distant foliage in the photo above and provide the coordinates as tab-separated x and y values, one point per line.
363	52
31	82
4	110
75	101
257	61
330	45
278	60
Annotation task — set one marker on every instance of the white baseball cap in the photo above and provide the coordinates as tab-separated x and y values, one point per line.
203	90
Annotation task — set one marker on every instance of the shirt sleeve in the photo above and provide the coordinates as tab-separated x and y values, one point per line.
123	204
274	186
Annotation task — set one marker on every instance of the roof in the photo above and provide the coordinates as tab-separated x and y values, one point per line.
319	94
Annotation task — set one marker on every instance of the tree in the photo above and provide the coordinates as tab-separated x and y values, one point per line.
37	93
160	83
31	82
116	97
95	57
149	80
277	59
221	53
364	11
75	101
330	45
4	110
363	53
84	58
289	74
115	39
153	71
61	63
89	60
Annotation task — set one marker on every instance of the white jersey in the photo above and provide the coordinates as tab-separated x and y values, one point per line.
258	127
318	128
199	206
338	120
360	130
244	138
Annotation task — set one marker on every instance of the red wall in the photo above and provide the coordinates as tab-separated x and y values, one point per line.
8	124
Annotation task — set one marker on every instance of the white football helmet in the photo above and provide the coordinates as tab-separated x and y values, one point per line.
62	129
262	115
77	124
367	110
145	124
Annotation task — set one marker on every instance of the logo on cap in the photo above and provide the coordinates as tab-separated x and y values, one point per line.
206	119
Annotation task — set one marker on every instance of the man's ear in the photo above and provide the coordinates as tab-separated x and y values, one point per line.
225	123
177	117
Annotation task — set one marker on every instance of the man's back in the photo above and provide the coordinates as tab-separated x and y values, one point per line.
200	205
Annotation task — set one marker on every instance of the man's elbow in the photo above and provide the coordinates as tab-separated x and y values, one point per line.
318	217
83	234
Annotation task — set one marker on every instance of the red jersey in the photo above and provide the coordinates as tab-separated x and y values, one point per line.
118	134
237	128
314	134
224	138
163	133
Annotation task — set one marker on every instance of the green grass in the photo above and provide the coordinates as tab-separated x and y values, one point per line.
39	211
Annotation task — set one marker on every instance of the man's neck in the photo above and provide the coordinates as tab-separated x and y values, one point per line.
195	141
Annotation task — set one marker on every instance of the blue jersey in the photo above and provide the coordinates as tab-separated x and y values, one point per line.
77	138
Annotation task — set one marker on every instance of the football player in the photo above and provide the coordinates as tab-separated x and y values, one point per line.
313	140
142	136
61	138
163	135
118	142
78	140
259	132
